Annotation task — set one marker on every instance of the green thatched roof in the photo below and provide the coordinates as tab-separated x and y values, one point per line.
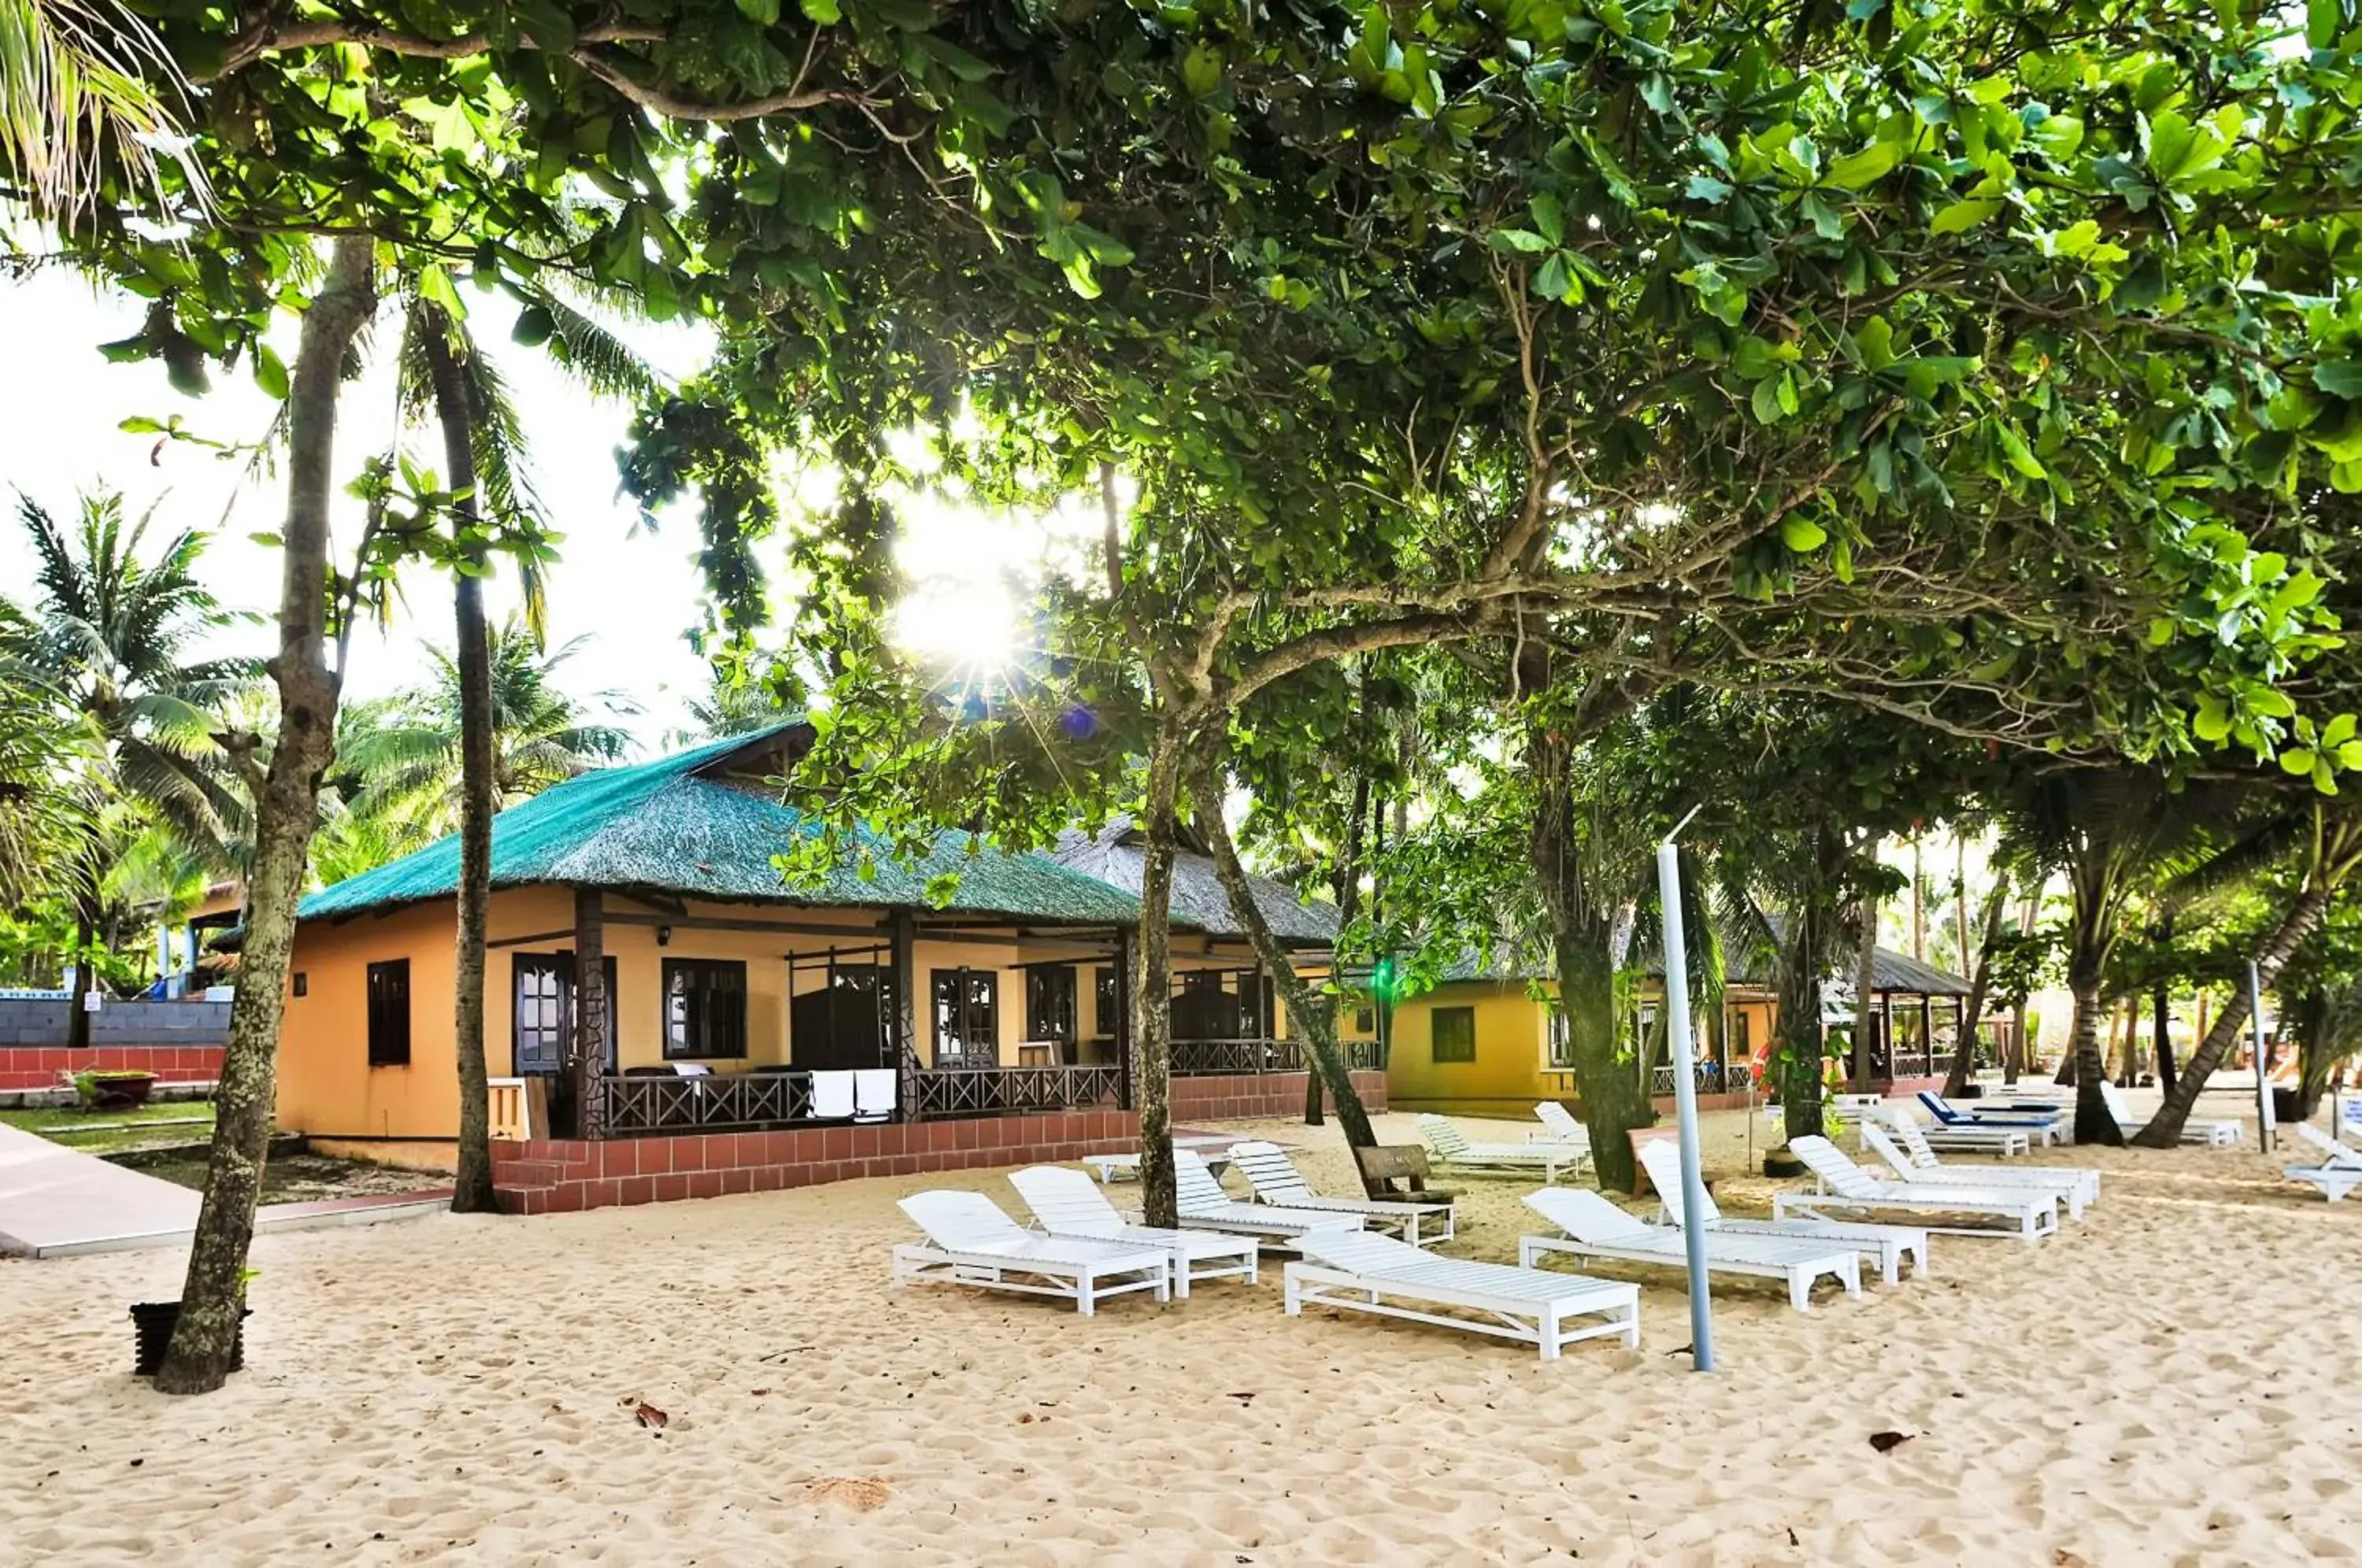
666	826
1117	855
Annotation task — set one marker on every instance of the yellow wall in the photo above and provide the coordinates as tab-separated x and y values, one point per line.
327	1088
1511	1046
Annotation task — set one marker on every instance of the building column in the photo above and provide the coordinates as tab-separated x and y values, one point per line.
590	1042
904	1026
1123	1057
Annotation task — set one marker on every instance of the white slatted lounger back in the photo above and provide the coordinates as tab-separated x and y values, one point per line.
1067	1203
2340	1171
1363	1273
1886	1245
2026	1214
1449	1147
1915	1160
1277	1180
971	1241
1598	1228
2212	1132
1205	1206
1559	1125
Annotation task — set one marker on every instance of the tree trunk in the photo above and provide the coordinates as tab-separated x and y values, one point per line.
1347	887
1315	1015
1865	988
2013	1061
85	978
587	1041
2161	1005
2164	1131
1151	977
2093	1122
471	1185
1614	1099
1972	1012
214	1294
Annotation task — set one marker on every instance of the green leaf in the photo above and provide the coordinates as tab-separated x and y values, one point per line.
1802	534
1765	401
2339	378
2349	755
2019	454
1549	218
762	13
1875	338
1201	71
1856	170
2213	720
1922	373
141	424
2338	731
825	12
1706	188
1519	239
1962	215
2323	21
2296	760
269	373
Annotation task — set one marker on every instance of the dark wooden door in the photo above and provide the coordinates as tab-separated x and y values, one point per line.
543	1015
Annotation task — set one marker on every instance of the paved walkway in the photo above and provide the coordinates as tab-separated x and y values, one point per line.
54	1199
56	1202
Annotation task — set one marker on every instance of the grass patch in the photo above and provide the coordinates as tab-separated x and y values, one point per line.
109	1131
301	1178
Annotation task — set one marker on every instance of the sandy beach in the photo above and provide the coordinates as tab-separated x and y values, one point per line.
2174	1380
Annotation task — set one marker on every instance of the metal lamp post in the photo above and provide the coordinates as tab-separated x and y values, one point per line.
1677	1018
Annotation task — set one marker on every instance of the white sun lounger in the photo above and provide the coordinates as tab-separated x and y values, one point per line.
1598	1228
1277	1180
2340	1171
1112	1168
1066	1202
1993	1131
1450	1149
971	1241
1559	1126
1362	1272
2076	1187
1204	1206
2213	1133
2026	1214
1886	1245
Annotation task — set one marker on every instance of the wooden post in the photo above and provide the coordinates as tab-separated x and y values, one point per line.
902	934
1123	1057
590	1041
1926	1034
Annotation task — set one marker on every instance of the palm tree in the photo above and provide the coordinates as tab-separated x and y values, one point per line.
83	83
112	637
400	758
444	374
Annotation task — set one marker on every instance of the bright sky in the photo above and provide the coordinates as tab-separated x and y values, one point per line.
633	594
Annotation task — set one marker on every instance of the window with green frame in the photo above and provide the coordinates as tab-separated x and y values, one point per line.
1455	1037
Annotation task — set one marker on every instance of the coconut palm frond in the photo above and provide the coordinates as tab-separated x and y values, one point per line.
83	83
595	355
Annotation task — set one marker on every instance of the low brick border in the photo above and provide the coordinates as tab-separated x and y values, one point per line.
565	1176
38	1066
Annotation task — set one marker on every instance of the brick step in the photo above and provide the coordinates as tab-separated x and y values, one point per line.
530	1173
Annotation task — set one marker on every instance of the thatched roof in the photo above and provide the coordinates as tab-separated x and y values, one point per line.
1891	971
679	825
1116	855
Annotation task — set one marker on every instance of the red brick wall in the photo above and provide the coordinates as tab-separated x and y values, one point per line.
1261	1095
38	1066
559	1175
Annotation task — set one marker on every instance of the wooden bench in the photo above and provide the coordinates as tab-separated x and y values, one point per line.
1382	1164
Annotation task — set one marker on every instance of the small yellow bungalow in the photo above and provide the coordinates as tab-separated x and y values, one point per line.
1480	1042
1006	999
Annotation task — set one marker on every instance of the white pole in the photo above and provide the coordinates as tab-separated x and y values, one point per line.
2263	1079
1677	1020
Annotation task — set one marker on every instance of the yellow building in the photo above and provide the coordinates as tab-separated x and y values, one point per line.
1008	994
1490	1042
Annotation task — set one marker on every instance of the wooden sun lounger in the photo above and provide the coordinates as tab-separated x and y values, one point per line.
2025	1215
1277	1180
1453	1150
1205	1206
1888	1246
1068	1203
2076	1187
1596	1228
1361	1272
971	1241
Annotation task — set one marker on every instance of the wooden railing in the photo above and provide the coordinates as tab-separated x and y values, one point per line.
1010	1091
710	1102
506	1101
1213	1058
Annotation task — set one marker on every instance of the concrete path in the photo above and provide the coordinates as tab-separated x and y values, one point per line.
54	1199
58	1203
